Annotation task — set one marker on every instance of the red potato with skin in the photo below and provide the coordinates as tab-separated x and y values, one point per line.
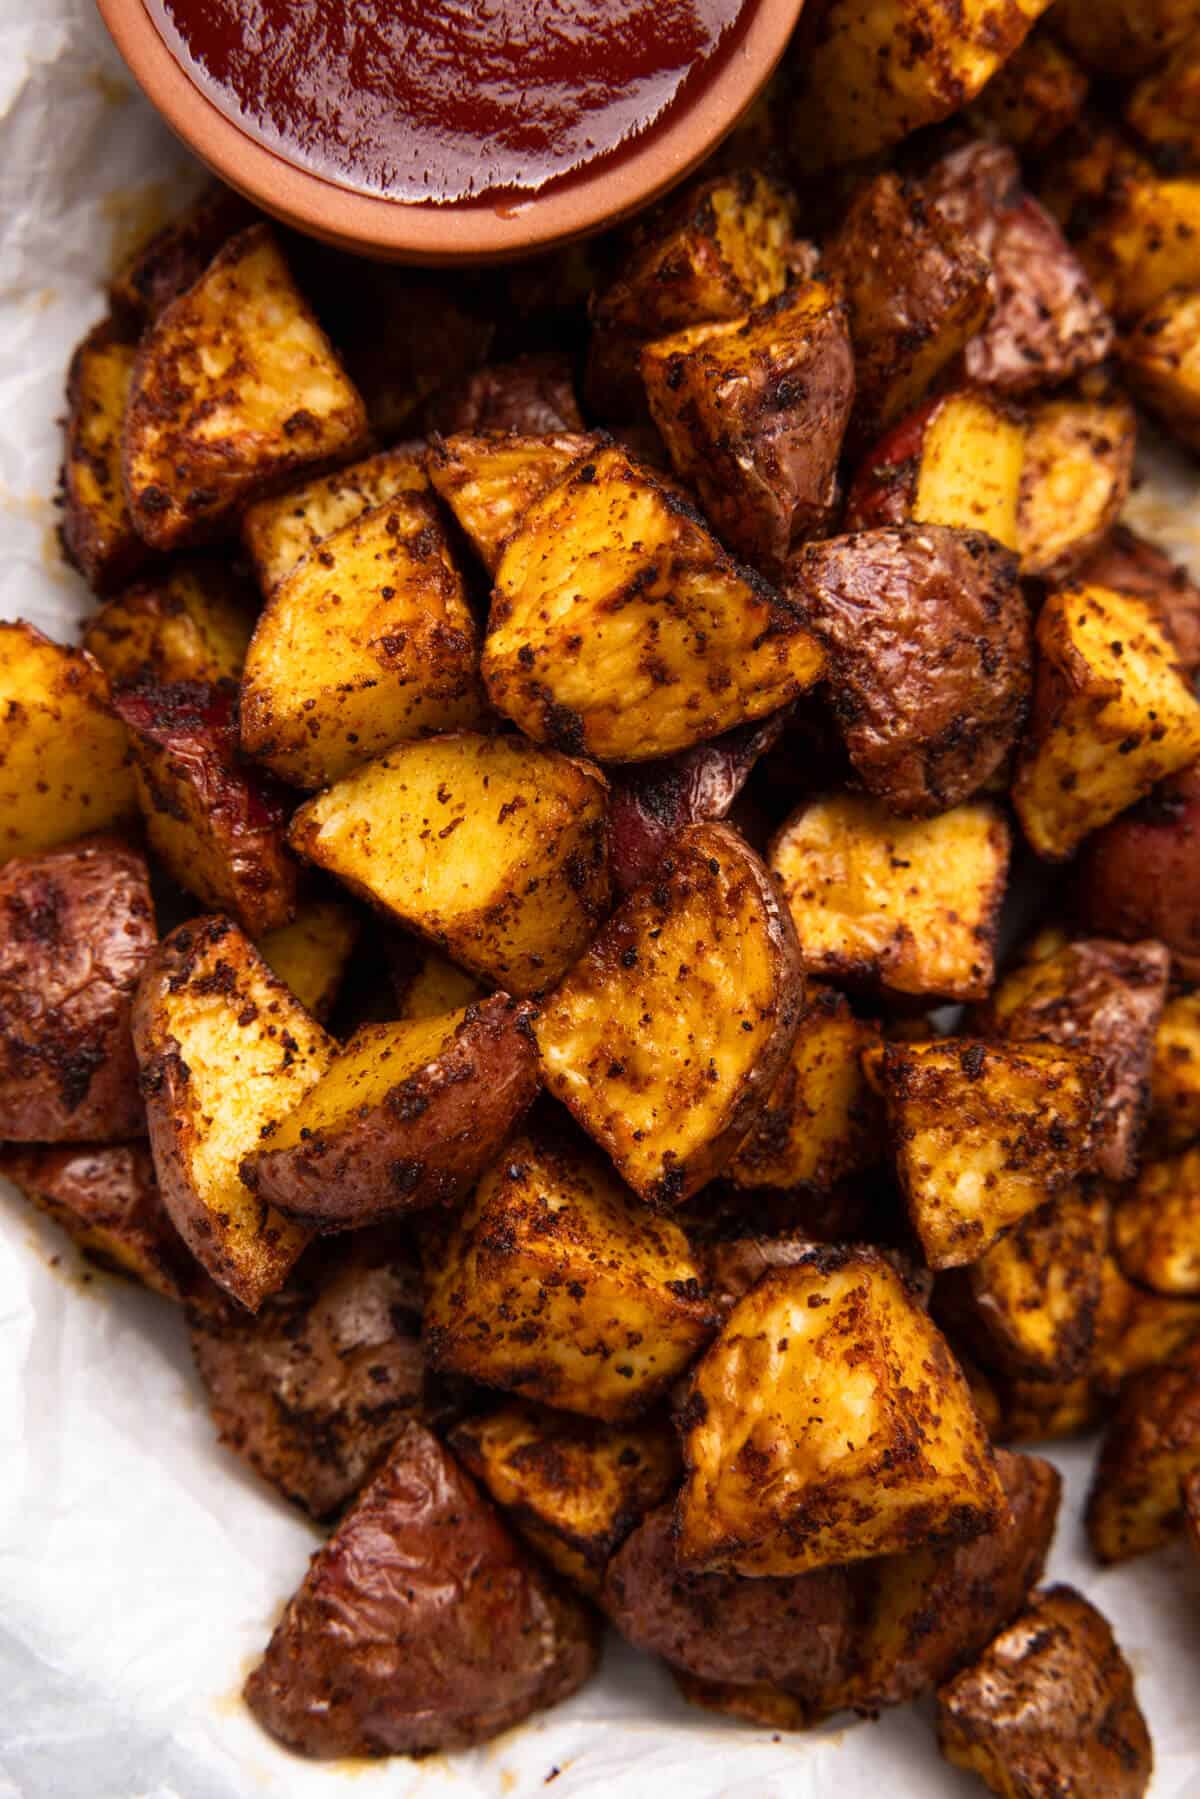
1140	875
533	395
1131	564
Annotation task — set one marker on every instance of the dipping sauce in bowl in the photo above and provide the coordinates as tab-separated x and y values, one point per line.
452	101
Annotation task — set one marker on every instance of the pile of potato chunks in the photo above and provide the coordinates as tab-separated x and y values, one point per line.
596	707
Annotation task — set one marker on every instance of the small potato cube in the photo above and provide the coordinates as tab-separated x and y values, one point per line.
753	413
930	657
1142	239
956	461
106	1200
821	1123
173	259
621	629
426	984
911	905
368	642
64	755
917	290
97	530
1049	1708
1156	1226
493	849
982	1134
666	1038
282	530
1175	1081
1164	108
1123	37
489	483
235	388
1102	997
310	954
876	70
829	1422
1033	97
1151	1445
1136	1329
573	1487
193	622
555	1284
1131	564
225	1050
406	1116
1075	479
77	930
1160	359
1113	714
1044	1411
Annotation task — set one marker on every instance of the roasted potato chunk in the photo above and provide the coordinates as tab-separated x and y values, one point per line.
106	1200
1142	238
917	290
911	905
64	756
173	259
1102	997
1049	1707
1130	564
78	930
314	1390
556	1285
956	461
1151	1446
1175	1080
821	1122
217	825
573	1487
533	395
1043	1411
753	413
310	954
930	1611
192	622
1160	359
426	984
982	1133
225	1050
928	641
1076	477
666	1038
454	837
1164	108
489	483
281	531
793	1634
829	1422
235	388
97	530
367	643
1122	37
1034	96
1136	1329
1140	875
423	1558
872	73
406	1116
620	628
1156	1226
1113	714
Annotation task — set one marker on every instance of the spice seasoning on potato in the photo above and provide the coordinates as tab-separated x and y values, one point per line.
490	482
283	529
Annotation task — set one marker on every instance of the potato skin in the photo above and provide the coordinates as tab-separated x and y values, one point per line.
534	395
930	653
424	1143
420	1558
795	1633
78	928
1140	875
1049	1708
173	259
314	1389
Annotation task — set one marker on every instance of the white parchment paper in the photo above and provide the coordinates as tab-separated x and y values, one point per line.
141	1568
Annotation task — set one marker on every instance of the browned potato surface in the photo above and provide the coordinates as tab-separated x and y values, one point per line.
1049	1708
191	622
1075	479
105	1198
1122	37
97	530
909	904
1140	238
556	1284
1133	565
490	482
174	258
666	1038
1151	1445
421	1558
313	1391
490	847
829	1422
407	1115
235	388
426	984
1136	1329
621	629
1156	1226
283	529
573	1487
63	755
224	1050
930	661
533	395
1164	108
1140	875
1034	96
1175	1081
1160	360
78	928
982	1133
310	954
956	460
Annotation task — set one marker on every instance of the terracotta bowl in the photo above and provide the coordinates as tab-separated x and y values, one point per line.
398	231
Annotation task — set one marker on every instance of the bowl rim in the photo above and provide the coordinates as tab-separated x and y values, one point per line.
480	231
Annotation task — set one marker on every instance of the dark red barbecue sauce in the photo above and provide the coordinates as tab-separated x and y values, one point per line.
451	100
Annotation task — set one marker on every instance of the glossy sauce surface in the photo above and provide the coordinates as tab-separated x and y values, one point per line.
451	100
